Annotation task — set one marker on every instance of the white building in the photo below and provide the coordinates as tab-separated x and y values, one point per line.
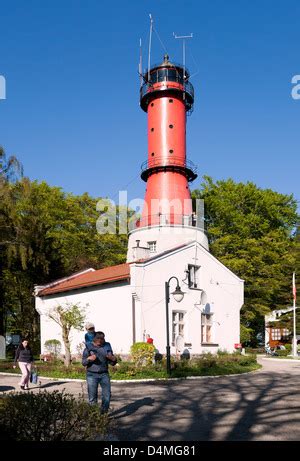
128	301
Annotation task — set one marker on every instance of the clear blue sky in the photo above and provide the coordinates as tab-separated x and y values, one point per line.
72	112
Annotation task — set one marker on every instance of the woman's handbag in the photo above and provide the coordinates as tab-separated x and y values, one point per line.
34	376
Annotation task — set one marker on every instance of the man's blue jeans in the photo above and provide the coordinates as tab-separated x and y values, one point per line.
93	381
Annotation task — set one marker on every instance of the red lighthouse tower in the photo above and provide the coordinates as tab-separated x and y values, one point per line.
167	218
166	96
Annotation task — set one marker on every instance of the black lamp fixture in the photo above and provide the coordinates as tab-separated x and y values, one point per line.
178	295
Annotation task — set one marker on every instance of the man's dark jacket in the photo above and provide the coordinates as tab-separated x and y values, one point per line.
100	365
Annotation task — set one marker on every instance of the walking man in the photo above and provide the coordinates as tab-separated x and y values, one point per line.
96	357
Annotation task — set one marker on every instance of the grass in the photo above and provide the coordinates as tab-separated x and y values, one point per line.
205	365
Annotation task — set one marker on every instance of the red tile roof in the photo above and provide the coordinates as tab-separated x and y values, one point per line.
98	277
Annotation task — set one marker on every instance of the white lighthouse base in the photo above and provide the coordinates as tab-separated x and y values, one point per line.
148	241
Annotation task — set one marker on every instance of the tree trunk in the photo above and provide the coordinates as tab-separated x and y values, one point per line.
66	340
2	312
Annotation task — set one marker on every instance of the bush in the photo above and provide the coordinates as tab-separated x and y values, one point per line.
255	350
288	347
222	352
282	353
206	360
245	361
142	354
49	416
53	346
128	368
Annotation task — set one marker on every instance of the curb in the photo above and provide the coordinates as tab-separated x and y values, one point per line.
133	381
280	360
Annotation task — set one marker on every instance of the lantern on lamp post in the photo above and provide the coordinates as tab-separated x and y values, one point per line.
178	296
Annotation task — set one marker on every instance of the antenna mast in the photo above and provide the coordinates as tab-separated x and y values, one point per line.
150	39
141	64
183	38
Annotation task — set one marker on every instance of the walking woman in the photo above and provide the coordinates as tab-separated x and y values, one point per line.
25	358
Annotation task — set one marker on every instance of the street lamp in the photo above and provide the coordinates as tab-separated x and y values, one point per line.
178	296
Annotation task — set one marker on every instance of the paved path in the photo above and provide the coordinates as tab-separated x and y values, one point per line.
263	405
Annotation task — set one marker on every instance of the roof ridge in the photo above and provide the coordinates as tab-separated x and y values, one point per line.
38	288
96	277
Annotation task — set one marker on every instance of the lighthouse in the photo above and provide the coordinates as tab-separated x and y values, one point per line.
167	217
166	241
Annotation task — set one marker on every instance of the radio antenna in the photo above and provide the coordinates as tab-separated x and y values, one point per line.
141	64
183	38
150	39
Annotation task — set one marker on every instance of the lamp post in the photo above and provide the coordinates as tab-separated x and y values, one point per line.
178	296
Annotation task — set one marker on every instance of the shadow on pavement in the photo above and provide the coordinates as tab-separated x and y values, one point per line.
54	383
132	407
6	388
227	408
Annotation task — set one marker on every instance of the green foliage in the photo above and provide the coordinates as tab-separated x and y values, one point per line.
255	351
10	168
49	416
53	346
206	365
245	334
45	234
142	354
282	353
211	364
251	231
68	316
288	347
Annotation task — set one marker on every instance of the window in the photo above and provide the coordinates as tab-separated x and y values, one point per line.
153	77
152	246
276	335
177	325
285	333
193	274
162	75
172	77
206	328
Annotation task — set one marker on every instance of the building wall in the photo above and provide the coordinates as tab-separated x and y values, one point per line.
224	297
166	238
108	306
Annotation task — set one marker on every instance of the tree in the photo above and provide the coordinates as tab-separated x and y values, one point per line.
251	231
245	334
53	346
51	234
67	317
10	170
